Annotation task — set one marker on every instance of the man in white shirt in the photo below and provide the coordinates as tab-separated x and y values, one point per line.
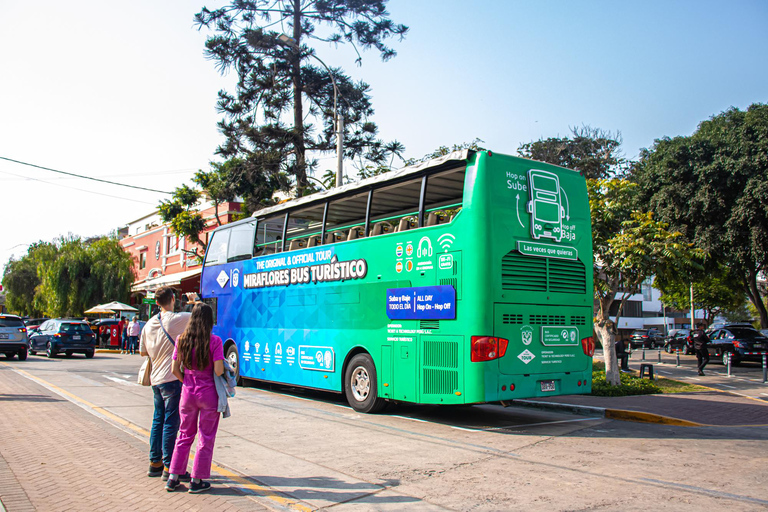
157	342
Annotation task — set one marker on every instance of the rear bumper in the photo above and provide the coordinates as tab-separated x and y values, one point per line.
13	347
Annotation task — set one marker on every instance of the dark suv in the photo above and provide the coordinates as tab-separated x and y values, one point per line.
646	338
740	341
63	335
13	337
678	340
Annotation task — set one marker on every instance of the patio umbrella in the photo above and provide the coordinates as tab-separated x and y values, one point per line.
98	309
118	306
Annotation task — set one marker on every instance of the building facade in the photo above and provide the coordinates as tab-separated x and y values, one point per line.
161	258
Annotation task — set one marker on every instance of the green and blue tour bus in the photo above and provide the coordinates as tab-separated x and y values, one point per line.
465	279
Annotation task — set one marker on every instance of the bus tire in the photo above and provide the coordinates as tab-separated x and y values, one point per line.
360	385
234	361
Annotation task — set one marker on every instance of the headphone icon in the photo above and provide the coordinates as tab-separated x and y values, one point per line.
426	251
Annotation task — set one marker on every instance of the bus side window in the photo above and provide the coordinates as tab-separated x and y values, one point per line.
304	227
217	248
269	236
241	242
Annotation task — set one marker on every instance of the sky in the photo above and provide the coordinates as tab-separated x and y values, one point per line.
123	91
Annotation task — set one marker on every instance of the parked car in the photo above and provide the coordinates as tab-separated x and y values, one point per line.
739	341
764	332
107	332
646	338
63	335
678	339
33	323
13	337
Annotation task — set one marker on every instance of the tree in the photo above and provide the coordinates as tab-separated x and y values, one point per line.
595	153
22	281
713	187
68	276
716	291
275	80
629	247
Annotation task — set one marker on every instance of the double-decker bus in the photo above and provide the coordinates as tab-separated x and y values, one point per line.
439	283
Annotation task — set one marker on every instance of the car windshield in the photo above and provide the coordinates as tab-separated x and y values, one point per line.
10	322
745	333
74	328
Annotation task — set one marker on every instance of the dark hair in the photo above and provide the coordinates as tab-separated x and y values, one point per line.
164	296
195	341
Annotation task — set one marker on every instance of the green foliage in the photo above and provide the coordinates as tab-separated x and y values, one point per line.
713	187
630	385
70	276
716	290
283	106
595	153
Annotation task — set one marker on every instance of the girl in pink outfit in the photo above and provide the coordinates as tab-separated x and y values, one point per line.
202	355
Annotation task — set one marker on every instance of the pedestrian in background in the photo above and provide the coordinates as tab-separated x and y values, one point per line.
134	328
121	335
700	342
157	342
202	356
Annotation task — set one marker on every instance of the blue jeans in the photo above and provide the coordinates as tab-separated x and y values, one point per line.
165	423
133	343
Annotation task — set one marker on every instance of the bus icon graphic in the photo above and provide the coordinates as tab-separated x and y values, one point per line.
544	206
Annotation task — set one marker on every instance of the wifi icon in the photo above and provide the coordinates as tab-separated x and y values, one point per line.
446	241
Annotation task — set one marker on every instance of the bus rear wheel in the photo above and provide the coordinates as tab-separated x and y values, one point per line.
360	385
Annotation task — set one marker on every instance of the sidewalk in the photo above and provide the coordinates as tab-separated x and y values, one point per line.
56	456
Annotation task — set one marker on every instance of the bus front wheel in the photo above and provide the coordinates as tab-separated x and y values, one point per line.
360	385
234	362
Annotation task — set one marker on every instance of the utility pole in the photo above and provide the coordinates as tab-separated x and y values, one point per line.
693	326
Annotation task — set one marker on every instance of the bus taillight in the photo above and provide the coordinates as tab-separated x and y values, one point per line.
588	346
487	348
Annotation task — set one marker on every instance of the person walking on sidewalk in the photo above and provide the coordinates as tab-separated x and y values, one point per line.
700	342
134	328
121	325
202	356
157	342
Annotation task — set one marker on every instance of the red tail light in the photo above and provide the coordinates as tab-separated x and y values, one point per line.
22	329
737	343
487	348
57	335
588	346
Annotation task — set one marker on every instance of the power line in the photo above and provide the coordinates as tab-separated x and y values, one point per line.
83	177
75	188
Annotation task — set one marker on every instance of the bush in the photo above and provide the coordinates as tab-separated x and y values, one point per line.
630	385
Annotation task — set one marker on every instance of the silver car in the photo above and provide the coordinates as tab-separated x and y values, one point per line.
13	337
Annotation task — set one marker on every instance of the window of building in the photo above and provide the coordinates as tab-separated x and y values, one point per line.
143	259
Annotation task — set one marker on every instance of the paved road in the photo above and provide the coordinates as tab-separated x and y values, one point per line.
302	450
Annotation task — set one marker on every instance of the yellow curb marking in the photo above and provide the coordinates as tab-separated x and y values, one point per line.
243	482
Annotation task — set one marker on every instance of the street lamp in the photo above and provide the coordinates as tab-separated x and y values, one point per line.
338	120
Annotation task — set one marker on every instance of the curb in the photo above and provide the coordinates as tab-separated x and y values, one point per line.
614	414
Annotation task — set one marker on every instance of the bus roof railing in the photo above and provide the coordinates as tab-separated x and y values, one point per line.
444	162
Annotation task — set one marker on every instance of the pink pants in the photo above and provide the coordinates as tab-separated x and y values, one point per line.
199	401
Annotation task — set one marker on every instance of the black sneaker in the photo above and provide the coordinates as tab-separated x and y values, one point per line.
186	477
155	471
701	373
196	488
171	485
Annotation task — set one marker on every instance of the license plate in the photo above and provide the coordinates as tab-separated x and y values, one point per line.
758	345
4	336
547	385
76	337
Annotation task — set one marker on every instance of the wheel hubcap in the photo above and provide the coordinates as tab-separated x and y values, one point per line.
360	383
232	360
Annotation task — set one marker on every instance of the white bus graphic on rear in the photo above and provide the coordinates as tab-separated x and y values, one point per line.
544	206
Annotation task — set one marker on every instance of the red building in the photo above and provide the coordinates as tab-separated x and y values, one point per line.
163	259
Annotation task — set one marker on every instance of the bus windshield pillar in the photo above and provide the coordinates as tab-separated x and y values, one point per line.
422	198
368	213
325	219
285	230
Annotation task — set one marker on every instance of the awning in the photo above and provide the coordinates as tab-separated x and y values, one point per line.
167	280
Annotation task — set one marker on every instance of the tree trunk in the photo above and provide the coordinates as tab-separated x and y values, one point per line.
604	328
298	109
753	292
